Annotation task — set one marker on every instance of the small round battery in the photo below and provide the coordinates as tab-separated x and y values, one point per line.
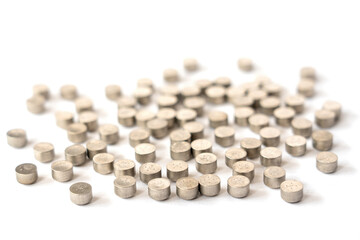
325	118
258	121
306	87
76	154
322	140
138	136
103	163
143	116
64	119
159	189
201	146
333	107
167	114
171	75
206	163
62	171
217	119
26	173
274	176
250	86
143	95
36	104
187	188
196	130
269	104
295	102
291	191
126	116
81	193
145	82
113	92
244	168
195	103
94	147
225	136
326	162
252	146
262	80
270	156
180	135
234	92
233	155
191	64
224	82
180	151
145	152
125	186
170	90
166	101
44	152
238	186
16	138
301	126
176	169
109	133
296	145
203	84
77	132
272	89
270	136
124	167
190	91
209	185
83	104
257	96
126	102
215	94
90	119
68	92
284	116
158	127
308	72
245	64
41	90
242	115
149	171
245	101
185	115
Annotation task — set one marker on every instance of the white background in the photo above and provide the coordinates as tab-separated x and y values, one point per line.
95	43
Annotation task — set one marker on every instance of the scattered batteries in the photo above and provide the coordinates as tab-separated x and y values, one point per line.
44	152
81	193
225	136
149	171
301	126
270	156
124	167
145	152
233	155
159	189
180	151
26	173
206	163
209	185
187	188
125	186
94	147
270	136
109	133
291	191
322	140
273	176
252	146
201	146
76	154
62	171
296	145
244	168
326	162
238	186
176	169
103	163
138	136
16	138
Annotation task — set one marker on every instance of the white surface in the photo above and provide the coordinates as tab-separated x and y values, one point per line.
92	44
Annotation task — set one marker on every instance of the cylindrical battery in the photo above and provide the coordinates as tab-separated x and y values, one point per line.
187	188
126	102
284	116
245	101
296	145
68	92
113	92
103	163
166	101
124	167
301	126
215	94
195	103
209	185
190	91
244	168
308	72
225	136
159	189
143	95
274	176
26	173
217	119
158	127
81	193
109	133
41	90
270	136
64	119
269	104
333	107
252	146
322	140
76	132
145	152
233	155
76	154
44	152
171	75
291	191
139	135
201	146
295	102
36	104
167	114
125	186
257	96
94	147
145	82
223	82
326	162
270	156
83	104
126	116
177	169
180	135
196	130
245	64
272	89
62	171
238	186
143	116
306	87
203	84
258	121
242	115
206	163
16	138
149	171
325	118
180	151
185	115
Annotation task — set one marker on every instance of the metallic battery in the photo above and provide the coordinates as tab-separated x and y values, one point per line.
143	116
201	146
274	176
245	64
270	156
167	114
159	189
272	89
270	136
196	130
191	64
334	107
109	133
258	121
209	185
103	163
242	115
326	162
64	119
295	102
301	126
308	72
180	151
145	82
322	140
62	171
185	115
257	96
126	102
234	92
149	171
166	101
206	163
77	132
252	146
262	80
44	152
245	101
113	92
176	169
68	92
225	136
90	119
269	104
94	147
170	90
76	154
203	84
187	188
238	186
296	145
26	173
244	168
222	82
291	191
145	152
190	91
126	116
125	186
36	104
217	119
124	167
325	118
83	104
171	75
195	103
81	193
180	135
16	138
158	127
41	90
306	87
143	95
215	94
233	155
284	116
138	136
